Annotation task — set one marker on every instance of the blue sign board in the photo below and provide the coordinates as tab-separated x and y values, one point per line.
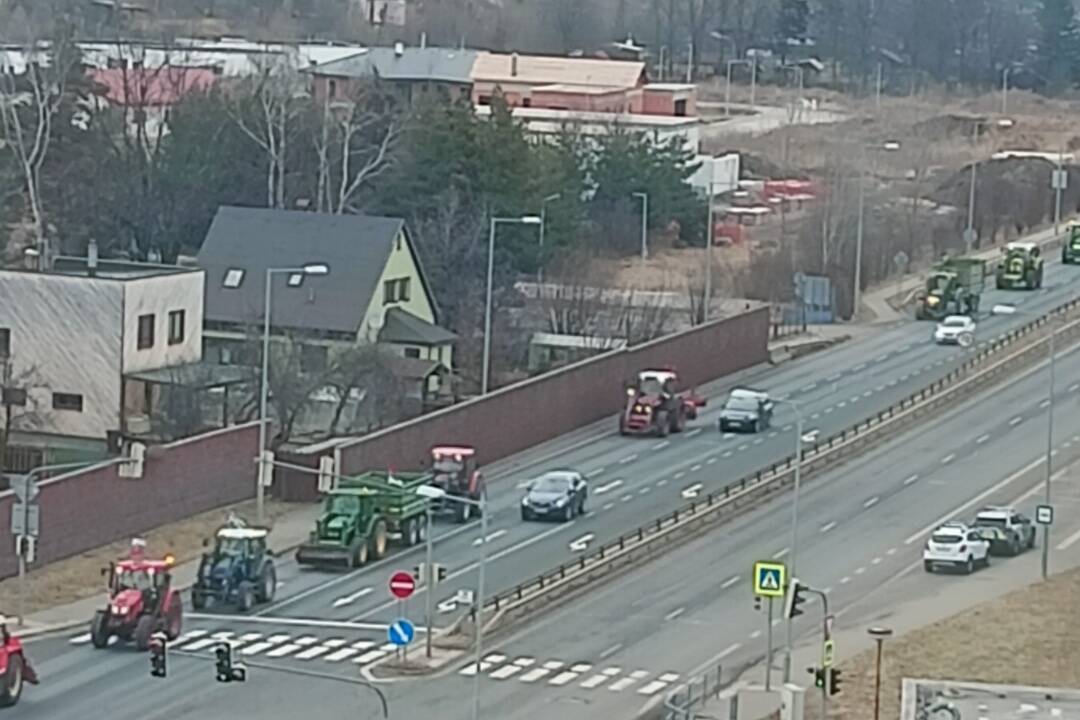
400	632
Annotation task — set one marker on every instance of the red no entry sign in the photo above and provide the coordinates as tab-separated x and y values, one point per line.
402	585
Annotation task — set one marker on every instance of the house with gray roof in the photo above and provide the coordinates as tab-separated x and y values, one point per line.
82	348
414	72
374	289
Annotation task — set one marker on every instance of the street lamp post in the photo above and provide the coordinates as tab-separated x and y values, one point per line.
880	634
1051	343
264	389
434	493
495	221
709	231
856	293
644	224
753	82
969	232
543	231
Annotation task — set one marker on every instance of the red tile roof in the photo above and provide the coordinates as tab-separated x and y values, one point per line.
150	87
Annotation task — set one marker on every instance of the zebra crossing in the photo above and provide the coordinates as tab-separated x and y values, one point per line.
559	673
277	646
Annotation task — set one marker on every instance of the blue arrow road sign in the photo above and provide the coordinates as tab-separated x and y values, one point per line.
400	632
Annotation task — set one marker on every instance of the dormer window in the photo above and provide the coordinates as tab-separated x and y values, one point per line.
233	278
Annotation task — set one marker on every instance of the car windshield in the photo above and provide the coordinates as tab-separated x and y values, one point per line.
343	504
551	483
231	546
650	386
742	403
992	522
955	322
946	538
134	580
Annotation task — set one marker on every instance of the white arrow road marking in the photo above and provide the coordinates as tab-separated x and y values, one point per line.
692	491
492	536
608	487
448	605
349	599
582	542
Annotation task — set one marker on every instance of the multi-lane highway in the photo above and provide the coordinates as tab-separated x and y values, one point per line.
623	644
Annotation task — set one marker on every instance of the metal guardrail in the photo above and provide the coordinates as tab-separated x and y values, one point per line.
968	374
682	702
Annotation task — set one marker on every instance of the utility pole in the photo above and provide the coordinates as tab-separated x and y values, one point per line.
430	576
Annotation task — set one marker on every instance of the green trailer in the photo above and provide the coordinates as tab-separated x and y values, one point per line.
362	515
1070	248
953	287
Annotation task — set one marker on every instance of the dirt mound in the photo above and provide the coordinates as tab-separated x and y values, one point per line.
941	127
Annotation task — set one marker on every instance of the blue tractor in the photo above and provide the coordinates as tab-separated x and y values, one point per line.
238	571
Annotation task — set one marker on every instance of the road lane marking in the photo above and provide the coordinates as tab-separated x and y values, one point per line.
510	670
582	542
675	613
628	459
536	673
608	487
680	474
693	432
911	479
491	537
982	438
845	580
730	581
349	599
726	453
711	460
661	445
565	677
692	491
860	570
608	506
871	502
948	458
1016	420
611	651
1069	541
644	491
828	526
755	635
627	498
597	471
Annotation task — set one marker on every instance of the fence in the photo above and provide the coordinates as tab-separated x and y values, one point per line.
683	702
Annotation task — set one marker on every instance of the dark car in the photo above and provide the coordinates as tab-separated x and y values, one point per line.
559	494
746	410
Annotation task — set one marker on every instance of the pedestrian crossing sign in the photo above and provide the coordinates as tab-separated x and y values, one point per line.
769	579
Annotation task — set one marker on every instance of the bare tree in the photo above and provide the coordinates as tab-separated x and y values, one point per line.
356	143
268	114
28	105
365	374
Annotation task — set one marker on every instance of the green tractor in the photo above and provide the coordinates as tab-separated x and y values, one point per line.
953	287
1021	268
360	515
1070	249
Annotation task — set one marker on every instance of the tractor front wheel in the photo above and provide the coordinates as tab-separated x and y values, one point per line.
379	540
99	629
245	597
12	681
144	628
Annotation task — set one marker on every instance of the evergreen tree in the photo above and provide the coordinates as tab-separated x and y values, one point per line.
1057	50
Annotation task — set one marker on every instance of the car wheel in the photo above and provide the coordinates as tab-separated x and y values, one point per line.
525	516
928	566
969	567
986	560
1031	540
568	513
757	426
581	506
1014	547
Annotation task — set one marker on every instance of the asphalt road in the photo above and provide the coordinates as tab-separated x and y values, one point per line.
335	623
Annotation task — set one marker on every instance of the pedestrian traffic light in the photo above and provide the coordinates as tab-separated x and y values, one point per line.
440	573
834	681
794	599
819	676
226	670
159	655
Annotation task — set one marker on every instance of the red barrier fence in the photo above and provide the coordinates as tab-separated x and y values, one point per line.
527	413
87	509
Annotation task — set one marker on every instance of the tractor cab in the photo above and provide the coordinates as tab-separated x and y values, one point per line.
455	471
654	385
138	584
236	550
1021	266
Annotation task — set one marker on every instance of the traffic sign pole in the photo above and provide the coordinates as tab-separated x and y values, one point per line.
429	586
768	647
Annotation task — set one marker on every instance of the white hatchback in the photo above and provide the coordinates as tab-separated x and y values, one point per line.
955	330
956	545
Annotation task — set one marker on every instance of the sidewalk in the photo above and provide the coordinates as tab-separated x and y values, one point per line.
878	303
287	533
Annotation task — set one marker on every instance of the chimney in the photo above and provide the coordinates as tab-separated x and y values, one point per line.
399	49
513	64
31	257
92	258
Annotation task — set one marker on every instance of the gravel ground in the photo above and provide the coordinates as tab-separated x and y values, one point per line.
1027	637
80	576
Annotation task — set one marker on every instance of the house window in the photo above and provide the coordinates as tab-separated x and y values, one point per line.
67	401
176	327
333	89
483	100
313	358
146	332
233	277
411	352
396	291
5	342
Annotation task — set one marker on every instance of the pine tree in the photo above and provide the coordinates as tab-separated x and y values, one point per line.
1057	51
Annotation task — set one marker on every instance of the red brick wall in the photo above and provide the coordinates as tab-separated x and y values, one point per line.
84	510
527	413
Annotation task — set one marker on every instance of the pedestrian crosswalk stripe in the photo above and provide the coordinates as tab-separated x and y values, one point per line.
622	684
669	677
333	643
342	654
199	644
370	656
283	650
363	644
250	637
506	671
313	652
256	648
652	688
306	640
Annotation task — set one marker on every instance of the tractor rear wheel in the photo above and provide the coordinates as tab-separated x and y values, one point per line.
144	628
12	683
411	533
99	629
267	584
362	553
245	597
663	424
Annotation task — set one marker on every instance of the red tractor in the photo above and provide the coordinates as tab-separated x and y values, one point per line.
655	407
142	602
457	474
15	669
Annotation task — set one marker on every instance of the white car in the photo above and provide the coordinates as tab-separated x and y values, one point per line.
955	330
956	545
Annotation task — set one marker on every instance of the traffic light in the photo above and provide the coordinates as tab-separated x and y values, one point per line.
226	670
794	599
819	676
834	681
159	650
420	573
440	573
